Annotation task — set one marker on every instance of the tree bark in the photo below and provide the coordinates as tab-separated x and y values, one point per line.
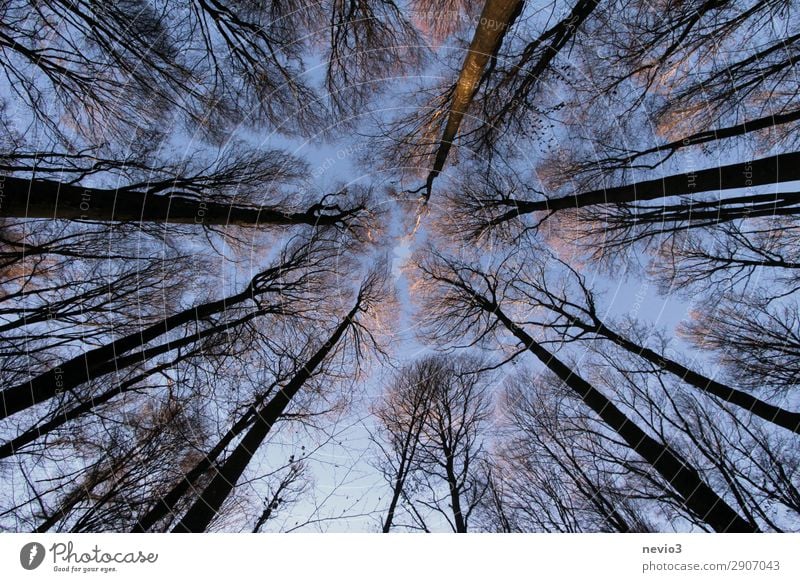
495	20
93	363
764	171
206	507
684	479
25	198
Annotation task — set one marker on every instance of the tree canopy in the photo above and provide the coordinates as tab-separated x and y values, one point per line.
371	265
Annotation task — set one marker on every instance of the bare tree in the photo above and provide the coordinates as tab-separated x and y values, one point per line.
433	418
135	458
757	341
494	22
621	204
752	466
123	68
242	187
475	296
512	95
554	478
204	509
303	264
401	414
576	317
733	257
182	299
366	41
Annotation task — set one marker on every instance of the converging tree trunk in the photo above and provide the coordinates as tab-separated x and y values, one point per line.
711	135
495	20
594	325
697	496
206	507
167	504
432	418
771	170
24	198
517	84
404	432
110	357
764	410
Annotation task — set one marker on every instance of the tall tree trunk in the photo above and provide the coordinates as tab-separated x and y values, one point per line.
61	418
557	37
455	493
700	499
774	414
759	123
25	198
397	491
407	455
166	504
764	171
103	360
706	212
206	507
495	20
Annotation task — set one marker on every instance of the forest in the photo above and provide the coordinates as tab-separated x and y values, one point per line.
399	266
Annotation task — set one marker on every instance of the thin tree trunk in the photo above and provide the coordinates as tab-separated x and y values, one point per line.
206	507
711	212
11	447
77	495
455	494
766	122
166	504
275	500
396	492
558	35
409	451
593	493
